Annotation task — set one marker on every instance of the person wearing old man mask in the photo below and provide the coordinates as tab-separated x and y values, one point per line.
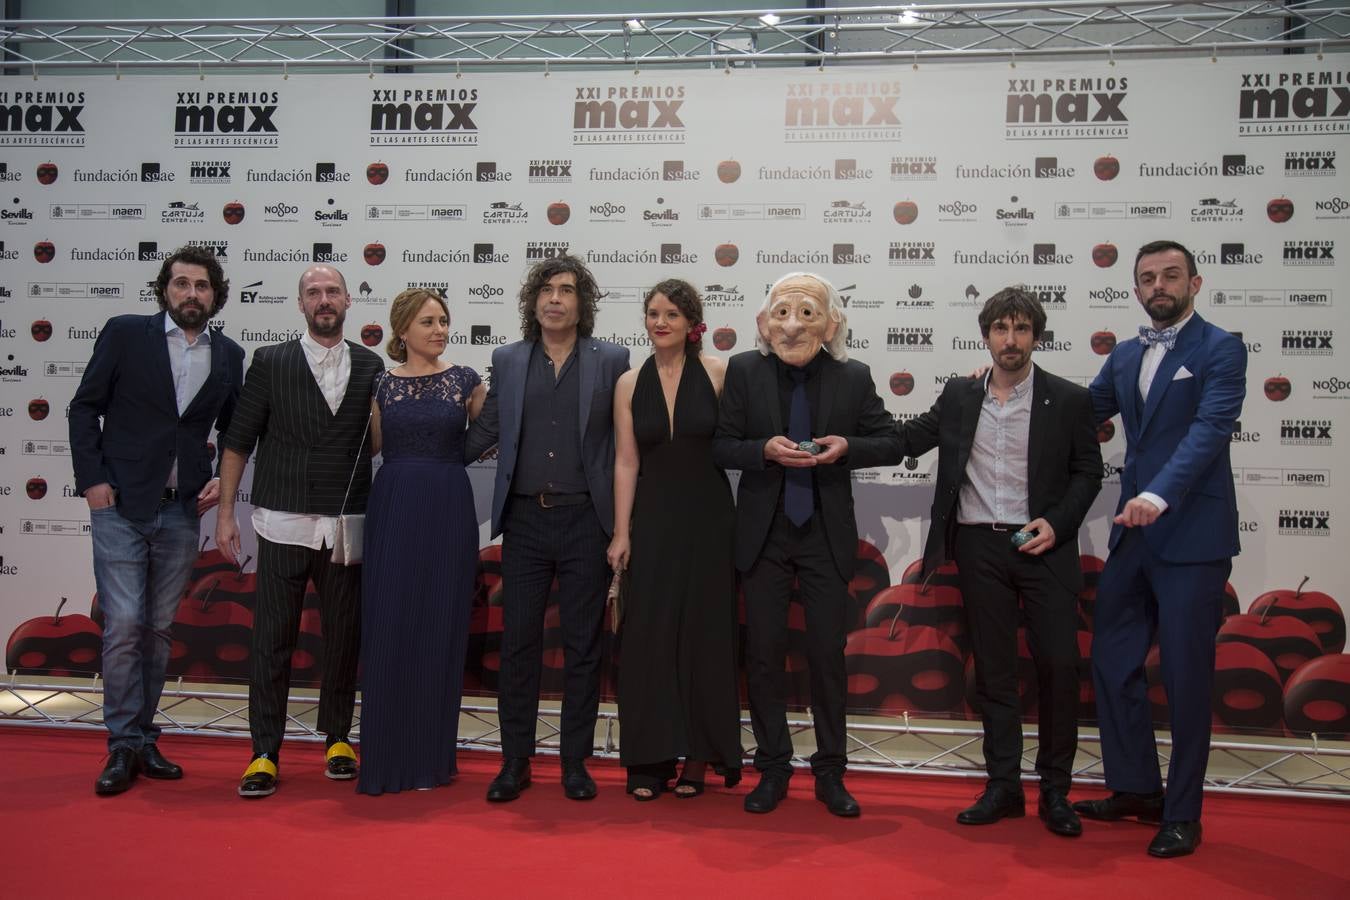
797	415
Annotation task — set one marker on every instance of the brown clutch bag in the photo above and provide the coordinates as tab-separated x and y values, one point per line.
618	590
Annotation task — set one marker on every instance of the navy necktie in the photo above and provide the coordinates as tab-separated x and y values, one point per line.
797	499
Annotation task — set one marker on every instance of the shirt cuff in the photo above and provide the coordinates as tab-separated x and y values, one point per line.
1155	500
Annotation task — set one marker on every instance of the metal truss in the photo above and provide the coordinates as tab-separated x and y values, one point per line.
824	36
1294	768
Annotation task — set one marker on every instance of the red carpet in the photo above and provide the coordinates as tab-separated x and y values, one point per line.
316	838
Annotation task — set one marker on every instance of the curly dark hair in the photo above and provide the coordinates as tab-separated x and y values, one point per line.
192	255
1016	303
686	299
588	294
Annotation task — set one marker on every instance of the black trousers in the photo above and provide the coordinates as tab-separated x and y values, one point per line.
283	570
538	545
993	574
802	553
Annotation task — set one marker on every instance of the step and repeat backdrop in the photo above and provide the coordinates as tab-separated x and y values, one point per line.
919	191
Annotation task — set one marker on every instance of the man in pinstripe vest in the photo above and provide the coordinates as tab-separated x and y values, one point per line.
305	406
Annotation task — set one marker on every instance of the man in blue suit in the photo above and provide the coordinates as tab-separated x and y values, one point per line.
1179	390
158	383
549	412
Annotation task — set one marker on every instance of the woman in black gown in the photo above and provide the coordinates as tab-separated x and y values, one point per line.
421	551
673	522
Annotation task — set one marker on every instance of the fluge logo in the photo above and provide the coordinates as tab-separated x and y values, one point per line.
421	117
615	114
1066	108
225	119
41	119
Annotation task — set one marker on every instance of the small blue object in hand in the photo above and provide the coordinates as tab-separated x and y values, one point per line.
810	447
1021	537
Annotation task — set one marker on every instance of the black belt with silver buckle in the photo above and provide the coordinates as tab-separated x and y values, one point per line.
170	495
547	500
992	526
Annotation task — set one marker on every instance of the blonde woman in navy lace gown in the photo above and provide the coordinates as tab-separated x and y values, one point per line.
420	556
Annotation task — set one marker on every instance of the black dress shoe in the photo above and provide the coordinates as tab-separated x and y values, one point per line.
1120	805
154	765
997	802
767	794
118	774
1058	815
1175	839
513	778
576	781
830	790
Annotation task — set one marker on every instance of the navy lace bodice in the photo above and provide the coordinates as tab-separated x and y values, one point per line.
424	416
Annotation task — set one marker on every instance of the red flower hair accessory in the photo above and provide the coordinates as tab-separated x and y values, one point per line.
696	333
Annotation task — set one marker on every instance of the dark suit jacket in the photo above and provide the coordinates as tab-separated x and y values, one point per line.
129	383
849	407
1064	463
600	365
1177	441
306	454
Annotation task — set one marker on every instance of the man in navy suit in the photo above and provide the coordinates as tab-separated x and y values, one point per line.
549	413
1179	391
158	383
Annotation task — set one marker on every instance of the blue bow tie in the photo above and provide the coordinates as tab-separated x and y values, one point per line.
1150	336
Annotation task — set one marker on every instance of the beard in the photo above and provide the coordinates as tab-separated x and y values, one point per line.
1012	360
330	328
1166	309
190	315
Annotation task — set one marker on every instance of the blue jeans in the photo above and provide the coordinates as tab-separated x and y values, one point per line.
141	569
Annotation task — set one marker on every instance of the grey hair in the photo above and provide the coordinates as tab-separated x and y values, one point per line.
837	348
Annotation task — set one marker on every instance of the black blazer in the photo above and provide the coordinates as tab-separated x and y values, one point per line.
129	383
750	415
306	454
1063	458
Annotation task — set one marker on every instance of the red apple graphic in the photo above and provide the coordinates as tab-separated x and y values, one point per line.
559	212
233	212
38	409
871	576
726	254
47	172
1104	256
1278	388
1103	342
1281	209
1288	642
41	330
36	488
724	338
905	212
374	254
935	605
728	170
902	383
1317	698
55	645
914	668
372	334
1106	168
377	173
1246	687
44	251
1320	611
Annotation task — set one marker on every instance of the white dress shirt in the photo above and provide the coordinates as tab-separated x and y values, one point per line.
1148	368
190	363
332	369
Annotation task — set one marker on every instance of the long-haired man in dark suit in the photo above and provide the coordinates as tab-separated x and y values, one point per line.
1017	453
549	412
797	417
158	383
305	407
